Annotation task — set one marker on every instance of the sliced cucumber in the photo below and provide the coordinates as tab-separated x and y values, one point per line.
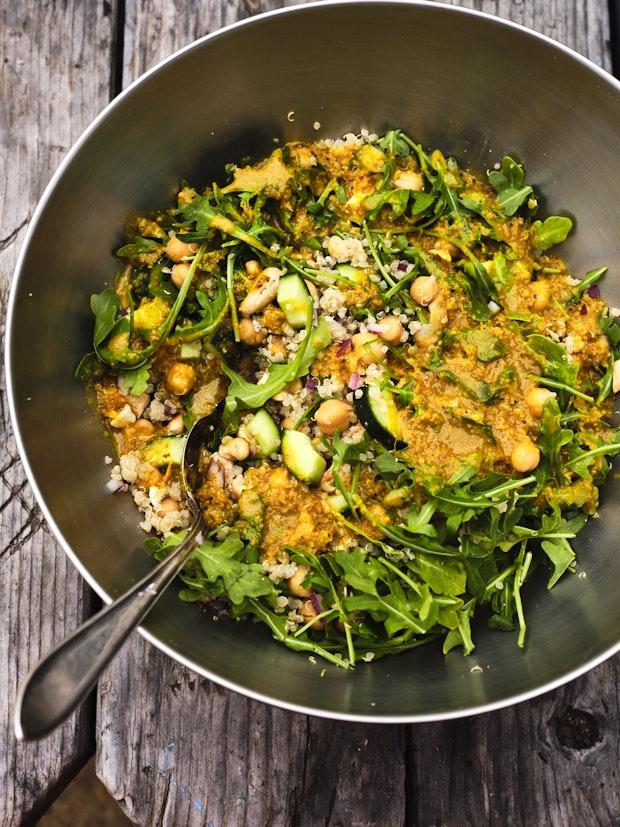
164	450
337	502
377	412
294	299
191	350
264	432
300	457
350	273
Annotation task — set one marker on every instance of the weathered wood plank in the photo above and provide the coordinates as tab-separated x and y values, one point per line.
551	761
581	24
174	749
56	65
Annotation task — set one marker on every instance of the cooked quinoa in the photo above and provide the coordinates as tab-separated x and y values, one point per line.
416	393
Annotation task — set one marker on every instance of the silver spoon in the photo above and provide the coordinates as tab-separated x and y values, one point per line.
61	680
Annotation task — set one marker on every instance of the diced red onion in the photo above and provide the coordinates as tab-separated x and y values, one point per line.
354	381
594	292
169	408
311	384
315	599
402	266
374	327
217	471
114	486
124	311
584	310
345	347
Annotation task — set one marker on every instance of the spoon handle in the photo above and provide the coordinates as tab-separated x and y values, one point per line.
62	679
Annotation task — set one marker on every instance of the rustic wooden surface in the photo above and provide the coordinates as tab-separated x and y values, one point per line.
55	76
173	748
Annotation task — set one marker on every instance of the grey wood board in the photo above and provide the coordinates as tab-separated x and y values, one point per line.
55	77
175	749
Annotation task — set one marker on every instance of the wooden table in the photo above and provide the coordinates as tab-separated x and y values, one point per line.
173	748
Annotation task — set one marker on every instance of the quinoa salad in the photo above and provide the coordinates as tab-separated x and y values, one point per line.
415	392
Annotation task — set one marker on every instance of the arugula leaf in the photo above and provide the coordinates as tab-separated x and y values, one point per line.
488	347
593	277
551	231
561	555
105	306
444	576
508	184
139	247
553	438
237	579
244	394
393	143
213	310
135	381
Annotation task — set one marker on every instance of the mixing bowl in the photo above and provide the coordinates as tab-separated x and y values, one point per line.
469	83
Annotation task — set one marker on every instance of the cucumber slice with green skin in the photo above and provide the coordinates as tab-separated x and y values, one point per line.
164	450
377	412
350	273
294	299
301	459
264	433
337	502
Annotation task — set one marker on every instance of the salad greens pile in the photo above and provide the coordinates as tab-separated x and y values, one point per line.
429	543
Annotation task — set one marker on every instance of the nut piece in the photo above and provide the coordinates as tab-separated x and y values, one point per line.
177	250
176	425
368	348
409	180
525	455
307	611
615	383
424	289
332	415
390	329
536	398
236	448
294	582
179	274
260	297
180	378
542	293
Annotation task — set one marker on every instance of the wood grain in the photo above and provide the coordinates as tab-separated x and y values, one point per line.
55	77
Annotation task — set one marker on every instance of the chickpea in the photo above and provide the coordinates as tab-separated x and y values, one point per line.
179	274
332	415
253	268
237	448
368	348
176	425
615	382
541	293
409	180
177	250
180	378
536	398
390	330
307	611
167	506
249	335
426	336
525	455
424	289
295	582
141	429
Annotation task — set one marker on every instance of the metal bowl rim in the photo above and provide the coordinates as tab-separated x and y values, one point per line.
12	300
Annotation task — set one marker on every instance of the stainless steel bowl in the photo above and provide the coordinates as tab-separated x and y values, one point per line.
474	85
